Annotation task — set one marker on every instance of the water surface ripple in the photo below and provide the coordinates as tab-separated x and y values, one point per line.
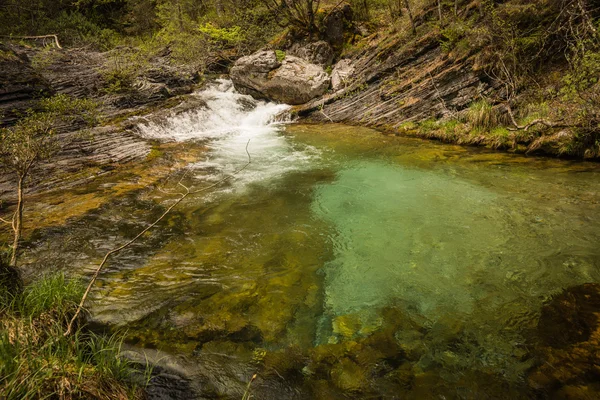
344	263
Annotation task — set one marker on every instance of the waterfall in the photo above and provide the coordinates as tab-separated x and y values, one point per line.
228	123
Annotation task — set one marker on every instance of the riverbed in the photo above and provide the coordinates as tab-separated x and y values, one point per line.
333	261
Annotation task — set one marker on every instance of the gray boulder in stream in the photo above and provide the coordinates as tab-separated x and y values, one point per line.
291	81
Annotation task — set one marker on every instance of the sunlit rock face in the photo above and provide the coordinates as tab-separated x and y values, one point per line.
291	81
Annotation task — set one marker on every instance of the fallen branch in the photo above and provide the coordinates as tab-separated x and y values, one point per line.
539	121
55	37
183	195
247	395
323	112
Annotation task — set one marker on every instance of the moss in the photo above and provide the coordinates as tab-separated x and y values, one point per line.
280	55
154	154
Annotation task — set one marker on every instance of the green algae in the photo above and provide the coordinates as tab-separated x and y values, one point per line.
390	266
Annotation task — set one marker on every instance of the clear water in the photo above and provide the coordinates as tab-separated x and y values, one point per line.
341	263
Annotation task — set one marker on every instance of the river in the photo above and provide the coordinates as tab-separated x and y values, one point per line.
341	262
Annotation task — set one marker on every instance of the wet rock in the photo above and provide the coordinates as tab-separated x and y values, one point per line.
403	375
319	53
293	81
346	326
166	386
341	76
571	317
349	376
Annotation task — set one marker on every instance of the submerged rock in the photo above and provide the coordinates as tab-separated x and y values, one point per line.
571	317
291	81
569	352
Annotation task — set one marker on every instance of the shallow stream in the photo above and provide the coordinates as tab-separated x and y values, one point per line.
340	263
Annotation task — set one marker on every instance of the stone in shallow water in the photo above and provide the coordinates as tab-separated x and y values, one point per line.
349	376
569	331
571	317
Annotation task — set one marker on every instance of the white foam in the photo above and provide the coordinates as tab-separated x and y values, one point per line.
230	122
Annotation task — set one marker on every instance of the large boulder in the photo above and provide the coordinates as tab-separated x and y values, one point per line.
319	53
291	80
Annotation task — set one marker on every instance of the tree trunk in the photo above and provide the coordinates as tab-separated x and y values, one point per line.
18	222
179	16
440	10
310	13
410	16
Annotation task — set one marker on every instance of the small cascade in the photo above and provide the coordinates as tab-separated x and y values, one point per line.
227	113
230	124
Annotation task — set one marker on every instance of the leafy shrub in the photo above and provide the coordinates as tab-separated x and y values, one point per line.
226	36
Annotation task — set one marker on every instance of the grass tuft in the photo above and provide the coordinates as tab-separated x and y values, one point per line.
51	293
37	361
481	114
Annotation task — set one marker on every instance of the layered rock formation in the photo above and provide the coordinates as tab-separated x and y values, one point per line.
397	83
27	75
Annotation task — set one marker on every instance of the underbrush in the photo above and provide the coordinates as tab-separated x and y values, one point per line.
38	361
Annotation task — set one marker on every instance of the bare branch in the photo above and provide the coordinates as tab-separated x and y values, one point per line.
539	121
55	37
183	195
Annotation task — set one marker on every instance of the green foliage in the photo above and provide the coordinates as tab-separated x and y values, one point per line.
38	361
119	78
75	29
428	125
52	293
44	58
454	36
226	36
280	55
584	73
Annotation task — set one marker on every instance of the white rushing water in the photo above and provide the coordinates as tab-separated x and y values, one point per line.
228	124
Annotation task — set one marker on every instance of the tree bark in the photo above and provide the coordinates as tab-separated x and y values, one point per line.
410	16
